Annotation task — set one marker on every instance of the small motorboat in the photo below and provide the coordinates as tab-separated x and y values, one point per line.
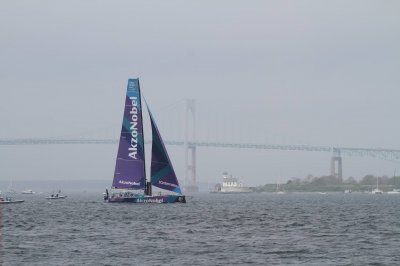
394	191
28	191
56	196
9	200
377	191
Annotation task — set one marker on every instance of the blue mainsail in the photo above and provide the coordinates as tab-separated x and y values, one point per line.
162	172
130	165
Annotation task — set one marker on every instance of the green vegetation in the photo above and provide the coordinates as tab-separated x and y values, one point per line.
330	183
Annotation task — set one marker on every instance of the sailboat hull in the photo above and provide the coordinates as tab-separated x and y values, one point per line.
149	199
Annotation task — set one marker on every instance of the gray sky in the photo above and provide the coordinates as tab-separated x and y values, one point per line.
279	72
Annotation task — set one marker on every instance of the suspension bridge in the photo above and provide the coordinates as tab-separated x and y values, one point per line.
191	144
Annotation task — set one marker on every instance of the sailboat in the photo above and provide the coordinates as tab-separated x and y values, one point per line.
279	190
130	183
395	190
377	190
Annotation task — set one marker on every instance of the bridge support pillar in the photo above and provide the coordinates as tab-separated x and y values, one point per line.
190	184
336	165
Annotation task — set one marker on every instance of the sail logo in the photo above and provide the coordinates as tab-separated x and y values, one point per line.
156	200
133	128
166	184
123	182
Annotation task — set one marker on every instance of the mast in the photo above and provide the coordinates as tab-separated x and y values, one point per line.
141	119
377	182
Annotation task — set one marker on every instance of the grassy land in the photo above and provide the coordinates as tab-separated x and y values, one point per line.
323	188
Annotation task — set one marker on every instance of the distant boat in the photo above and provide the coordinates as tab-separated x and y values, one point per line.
28	191
279	190
130	183
321	193
394	191
56	196
377	190
348	191
9	200
230	185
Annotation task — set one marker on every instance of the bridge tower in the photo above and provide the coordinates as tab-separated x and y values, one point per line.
336	164
190	184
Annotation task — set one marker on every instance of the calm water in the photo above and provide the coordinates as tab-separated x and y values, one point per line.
258	229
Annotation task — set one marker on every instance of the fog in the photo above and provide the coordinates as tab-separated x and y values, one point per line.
271	72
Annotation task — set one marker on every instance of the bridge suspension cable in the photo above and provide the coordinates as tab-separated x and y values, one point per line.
387	154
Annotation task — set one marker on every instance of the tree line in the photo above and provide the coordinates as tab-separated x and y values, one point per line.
368	180
333	183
